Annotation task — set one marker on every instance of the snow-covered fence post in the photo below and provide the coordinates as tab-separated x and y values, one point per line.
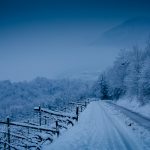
85	104
8	132
26	147
77	112
57	128
5	141
45	120
40	119
81	108
4	145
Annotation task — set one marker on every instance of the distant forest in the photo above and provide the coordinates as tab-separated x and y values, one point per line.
19	99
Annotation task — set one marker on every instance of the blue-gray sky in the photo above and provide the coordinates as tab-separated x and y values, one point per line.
50	37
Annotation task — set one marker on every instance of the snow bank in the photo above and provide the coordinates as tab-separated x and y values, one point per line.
134	105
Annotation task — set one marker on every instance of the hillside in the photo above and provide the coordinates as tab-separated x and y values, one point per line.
131	32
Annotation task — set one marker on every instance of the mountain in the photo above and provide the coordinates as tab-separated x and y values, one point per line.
131	32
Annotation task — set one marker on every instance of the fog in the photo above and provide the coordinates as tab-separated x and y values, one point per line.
55	39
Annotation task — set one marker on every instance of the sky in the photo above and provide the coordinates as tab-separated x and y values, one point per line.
51	38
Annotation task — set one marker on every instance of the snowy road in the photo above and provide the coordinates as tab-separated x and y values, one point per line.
97	129
139	119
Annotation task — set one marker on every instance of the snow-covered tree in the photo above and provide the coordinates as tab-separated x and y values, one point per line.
103	86
117	75
134	72
129	76
145	82
145	76
17	99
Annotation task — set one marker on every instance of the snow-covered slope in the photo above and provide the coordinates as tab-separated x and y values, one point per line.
97	129
134	105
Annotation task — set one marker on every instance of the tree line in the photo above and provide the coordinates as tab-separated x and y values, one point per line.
129	76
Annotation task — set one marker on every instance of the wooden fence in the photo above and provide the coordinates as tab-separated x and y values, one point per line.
35	141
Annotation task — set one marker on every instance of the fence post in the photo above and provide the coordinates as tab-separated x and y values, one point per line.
4	145
26	147
40	119
57	128
85	104
81	108
77	112
5	141
45	120
8	132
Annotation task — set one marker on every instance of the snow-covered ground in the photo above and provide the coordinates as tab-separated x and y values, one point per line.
99	127
136	117
139	124
134	105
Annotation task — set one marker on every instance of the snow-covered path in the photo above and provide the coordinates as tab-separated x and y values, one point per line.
97	129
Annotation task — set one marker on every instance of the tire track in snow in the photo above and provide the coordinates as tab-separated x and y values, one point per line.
119	131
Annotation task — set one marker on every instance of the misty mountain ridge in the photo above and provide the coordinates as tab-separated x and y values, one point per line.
88	76
131	32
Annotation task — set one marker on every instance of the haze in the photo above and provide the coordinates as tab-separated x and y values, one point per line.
53	38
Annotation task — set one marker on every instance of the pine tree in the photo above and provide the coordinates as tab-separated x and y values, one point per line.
104	93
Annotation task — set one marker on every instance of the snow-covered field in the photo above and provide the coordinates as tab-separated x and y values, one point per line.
101	127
